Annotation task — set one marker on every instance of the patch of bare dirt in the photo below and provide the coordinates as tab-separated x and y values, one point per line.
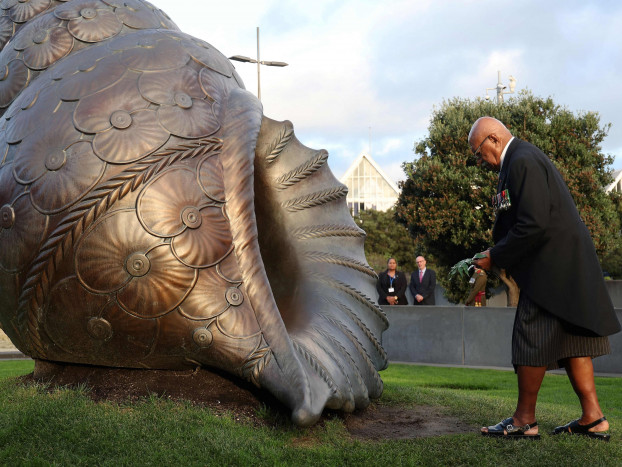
222	393
380	422
206	388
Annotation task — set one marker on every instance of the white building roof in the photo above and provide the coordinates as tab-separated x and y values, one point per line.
616	185
358	161
368	186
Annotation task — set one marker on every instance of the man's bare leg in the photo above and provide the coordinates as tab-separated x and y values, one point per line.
581	373
529	382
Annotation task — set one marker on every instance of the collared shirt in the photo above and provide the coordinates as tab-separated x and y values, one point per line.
422	272
505	149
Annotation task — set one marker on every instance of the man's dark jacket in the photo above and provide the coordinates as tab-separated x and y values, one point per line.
425	288
545	246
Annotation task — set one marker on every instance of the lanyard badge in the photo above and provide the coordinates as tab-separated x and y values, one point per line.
391	279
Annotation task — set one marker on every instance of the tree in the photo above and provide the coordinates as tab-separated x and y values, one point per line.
445	201
386	238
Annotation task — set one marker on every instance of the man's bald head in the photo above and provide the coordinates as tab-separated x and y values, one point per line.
487	138
487	125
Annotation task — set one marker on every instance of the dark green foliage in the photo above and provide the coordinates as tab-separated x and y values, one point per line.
386	238
445	201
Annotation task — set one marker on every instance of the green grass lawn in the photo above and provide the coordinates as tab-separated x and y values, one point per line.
64	427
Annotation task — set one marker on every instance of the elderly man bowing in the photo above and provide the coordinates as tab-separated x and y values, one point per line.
564	313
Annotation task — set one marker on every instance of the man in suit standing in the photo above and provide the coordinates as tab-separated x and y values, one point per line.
564	312
422	284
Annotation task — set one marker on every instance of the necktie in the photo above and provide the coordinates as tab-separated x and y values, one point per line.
420	275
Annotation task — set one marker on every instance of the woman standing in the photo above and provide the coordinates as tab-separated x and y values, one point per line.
392	285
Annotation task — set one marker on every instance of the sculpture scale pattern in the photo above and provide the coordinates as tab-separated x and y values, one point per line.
152	217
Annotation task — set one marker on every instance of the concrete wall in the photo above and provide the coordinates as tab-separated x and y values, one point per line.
615	292
459	335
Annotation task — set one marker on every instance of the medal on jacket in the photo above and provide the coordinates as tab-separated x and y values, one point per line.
501	201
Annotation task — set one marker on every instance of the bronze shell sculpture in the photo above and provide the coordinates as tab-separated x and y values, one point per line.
152	217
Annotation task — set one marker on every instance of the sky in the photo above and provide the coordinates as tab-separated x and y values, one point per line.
366	75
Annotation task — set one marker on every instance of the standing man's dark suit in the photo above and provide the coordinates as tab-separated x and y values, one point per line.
424	288
543	243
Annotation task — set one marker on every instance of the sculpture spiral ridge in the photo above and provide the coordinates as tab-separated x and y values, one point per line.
152	217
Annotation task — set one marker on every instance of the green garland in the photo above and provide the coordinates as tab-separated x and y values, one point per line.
462	268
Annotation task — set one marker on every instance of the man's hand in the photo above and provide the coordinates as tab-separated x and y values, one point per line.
391	300
484	263
418	297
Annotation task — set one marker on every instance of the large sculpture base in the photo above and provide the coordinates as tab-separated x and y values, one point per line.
211	388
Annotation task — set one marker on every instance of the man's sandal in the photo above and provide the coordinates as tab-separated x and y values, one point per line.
506	429
574	428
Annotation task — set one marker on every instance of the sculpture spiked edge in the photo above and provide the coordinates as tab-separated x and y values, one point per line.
339	351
